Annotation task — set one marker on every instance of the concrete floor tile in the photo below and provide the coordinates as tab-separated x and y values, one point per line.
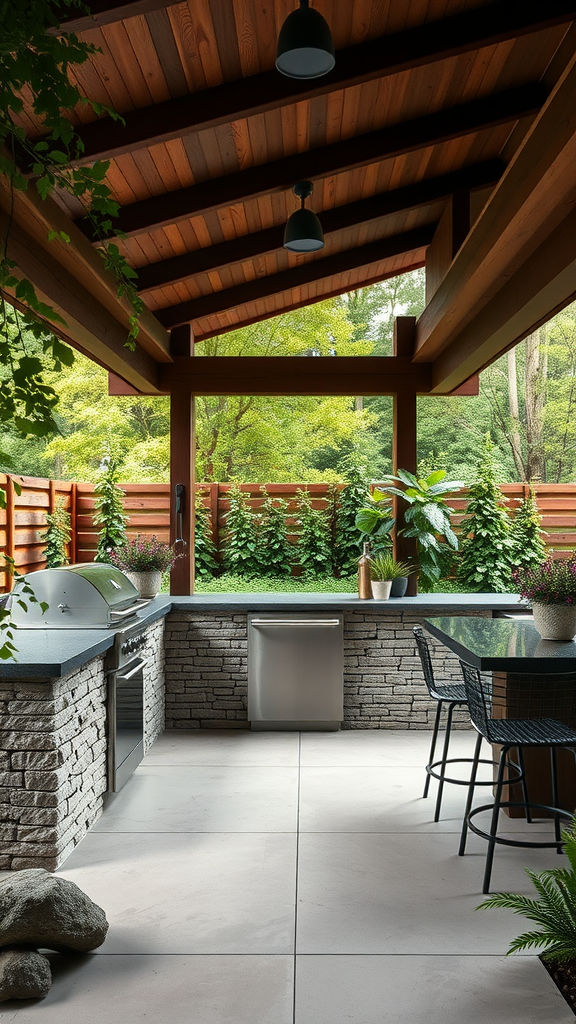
384	747
204	799
176	989
224	747
405	894
426	990
190	893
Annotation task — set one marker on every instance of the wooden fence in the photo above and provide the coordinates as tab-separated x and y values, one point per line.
23	521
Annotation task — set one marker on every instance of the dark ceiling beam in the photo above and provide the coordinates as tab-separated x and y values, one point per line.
288	307
107	12
296	375
296	277
377	58
386	143
247	247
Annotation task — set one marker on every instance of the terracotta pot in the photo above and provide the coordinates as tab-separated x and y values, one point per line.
147	583
381	589
555	621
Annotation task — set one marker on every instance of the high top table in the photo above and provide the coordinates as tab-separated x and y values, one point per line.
527	671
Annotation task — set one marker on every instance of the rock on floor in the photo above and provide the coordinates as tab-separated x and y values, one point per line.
23	975
39	909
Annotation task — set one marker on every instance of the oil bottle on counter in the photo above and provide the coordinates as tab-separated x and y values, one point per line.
364	579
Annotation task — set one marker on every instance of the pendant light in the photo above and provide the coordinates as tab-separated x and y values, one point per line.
303	230
305	47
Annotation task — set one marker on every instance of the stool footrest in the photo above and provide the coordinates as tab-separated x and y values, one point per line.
430	769
555	811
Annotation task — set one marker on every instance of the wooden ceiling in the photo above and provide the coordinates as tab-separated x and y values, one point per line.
428	98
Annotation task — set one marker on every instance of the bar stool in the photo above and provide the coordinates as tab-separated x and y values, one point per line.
483	697
453	695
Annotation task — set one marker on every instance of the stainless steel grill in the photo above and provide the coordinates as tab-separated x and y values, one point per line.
91	595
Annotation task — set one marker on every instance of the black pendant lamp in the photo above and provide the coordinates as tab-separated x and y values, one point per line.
303	230
305	47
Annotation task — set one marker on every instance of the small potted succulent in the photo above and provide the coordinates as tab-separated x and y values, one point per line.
384	569
551	590
143	560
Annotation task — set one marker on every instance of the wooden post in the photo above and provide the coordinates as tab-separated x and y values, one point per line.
182	466
404	443
73	523
10	530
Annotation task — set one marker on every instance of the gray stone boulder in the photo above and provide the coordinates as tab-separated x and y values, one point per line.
24	974
40	909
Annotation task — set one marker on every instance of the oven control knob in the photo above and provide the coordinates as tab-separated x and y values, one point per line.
124	649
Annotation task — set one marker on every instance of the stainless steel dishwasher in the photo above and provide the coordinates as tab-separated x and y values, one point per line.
295	670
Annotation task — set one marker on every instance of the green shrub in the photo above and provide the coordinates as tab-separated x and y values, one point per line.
346	537
275	552
205	561
313	546
240	548
487	549
529	550
230	583
57	535
109	510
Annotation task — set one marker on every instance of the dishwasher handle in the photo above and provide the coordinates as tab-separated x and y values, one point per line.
287	623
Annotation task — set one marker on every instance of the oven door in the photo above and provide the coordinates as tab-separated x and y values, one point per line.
125	722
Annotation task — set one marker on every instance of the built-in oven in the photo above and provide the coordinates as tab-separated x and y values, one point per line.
125	707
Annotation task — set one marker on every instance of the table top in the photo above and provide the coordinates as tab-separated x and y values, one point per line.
505	645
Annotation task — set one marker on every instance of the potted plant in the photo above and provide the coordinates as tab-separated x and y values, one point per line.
383	570
143	560
551	590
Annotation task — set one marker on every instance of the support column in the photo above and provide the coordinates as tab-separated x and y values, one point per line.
182	467
404	454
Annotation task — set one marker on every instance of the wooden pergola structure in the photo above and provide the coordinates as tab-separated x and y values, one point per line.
445	137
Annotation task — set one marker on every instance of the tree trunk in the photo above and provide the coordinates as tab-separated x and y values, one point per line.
515	434
536	373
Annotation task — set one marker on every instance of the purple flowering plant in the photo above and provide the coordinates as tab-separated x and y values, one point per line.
143	554
551	582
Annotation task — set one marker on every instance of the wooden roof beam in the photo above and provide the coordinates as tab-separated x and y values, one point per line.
296	375
535	194
214	257
305	273
377	58
359	151
108	12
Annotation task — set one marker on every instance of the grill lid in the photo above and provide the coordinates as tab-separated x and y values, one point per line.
116	589
91	594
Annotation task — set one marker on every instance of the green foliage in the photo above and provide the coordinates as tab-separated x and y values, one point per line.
205	561
427	518
274	550
375	519
240	554
313	548
230	583
384	567
109	510
487	550
57	535
554	910
8	649
347	538
529	549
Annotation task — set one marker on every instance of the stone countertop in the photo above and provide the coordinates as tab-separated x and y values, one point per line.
503	645
52	653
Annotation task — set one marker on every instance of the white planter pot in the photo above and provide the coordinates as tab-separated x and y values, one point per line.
147	583
555	621
381	589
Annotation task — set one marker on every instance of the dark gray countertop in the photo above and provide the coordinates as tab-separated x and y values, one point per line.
52	653
503	644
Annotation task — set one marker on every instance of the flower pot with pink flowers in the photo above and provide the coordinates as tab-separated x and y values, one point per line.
551	590
143	560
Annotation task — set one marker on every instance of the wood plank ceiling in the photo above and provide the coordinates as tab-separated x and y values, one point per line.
429	98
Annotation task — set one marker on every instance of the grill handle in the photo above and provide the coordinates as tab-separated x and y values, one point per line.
287	623
129	612
140	664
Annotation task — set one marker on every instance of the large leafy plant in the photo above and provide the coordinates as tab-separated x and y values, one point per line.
526	535
240	547
274	549
205	553
313	545
347	536
427	518
109	510
57	535
554	910
487	548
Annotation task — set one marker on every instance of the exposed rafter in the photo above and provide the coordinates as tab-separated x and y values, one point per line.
376	58
431	130
213	257
315	270
107	12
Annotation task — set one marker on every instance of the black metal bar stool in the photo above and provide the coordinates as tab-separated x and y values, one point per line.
486	696
452	695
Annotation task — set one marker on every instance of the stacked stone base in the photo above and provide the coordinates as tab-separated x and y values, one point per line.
207	671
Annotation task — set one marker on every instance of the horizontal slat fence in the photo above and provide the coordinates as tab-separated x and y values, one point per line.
23	522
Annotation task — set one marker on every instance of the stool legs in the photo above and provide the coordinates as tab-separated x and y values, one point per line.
495	814
470	796
554	776
444	759
433	745
524	786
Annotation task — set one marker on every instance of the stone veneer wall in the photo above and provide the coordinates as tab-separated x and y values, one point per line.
53	756
207	672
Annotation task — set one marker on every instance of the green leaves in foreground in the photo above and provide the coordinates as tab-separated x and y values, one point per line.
554	910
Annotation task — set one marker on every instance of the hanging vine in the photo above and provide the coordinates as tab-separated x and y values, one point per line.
34	63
